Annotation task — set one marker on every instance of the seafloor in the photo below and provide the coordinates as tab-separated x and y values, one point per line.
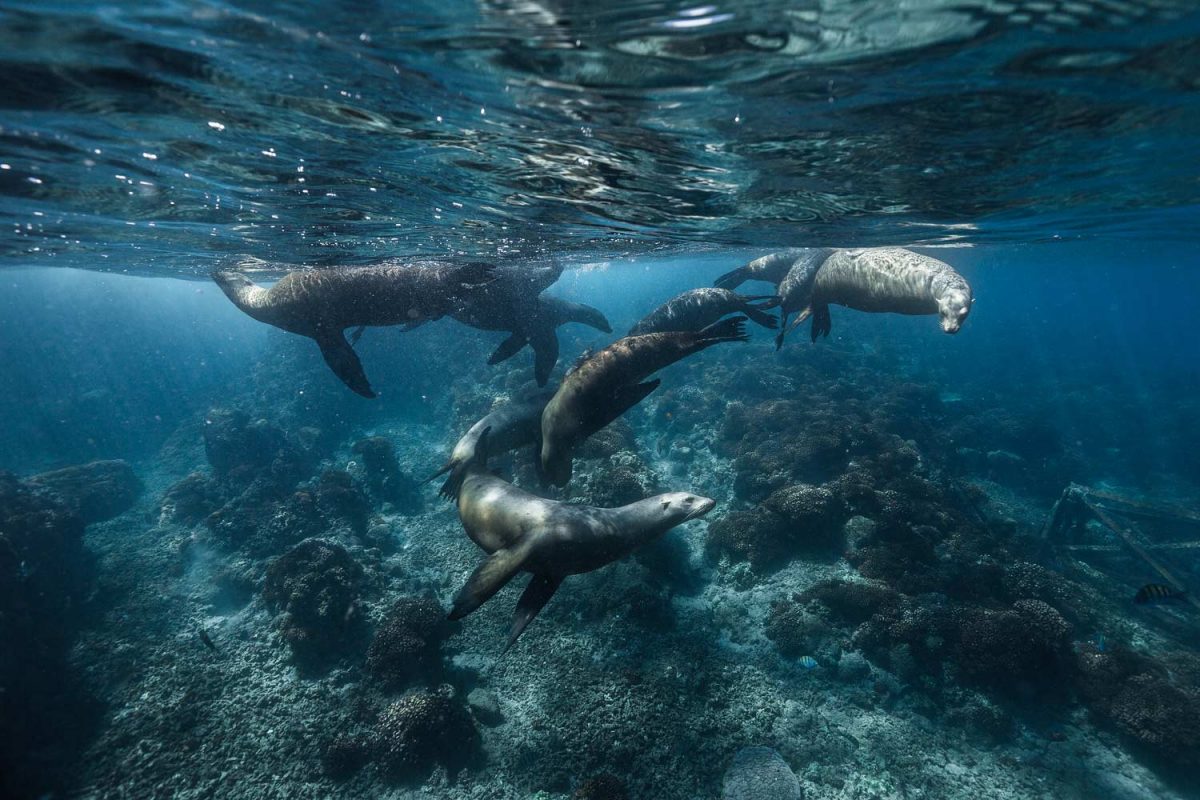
874	514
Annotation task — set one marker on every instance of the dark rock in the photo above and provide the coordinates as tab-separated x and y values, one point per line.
345	756
95	492
191	500
421	729
339	498
407	643
260	524
242	451
316	585
384	478
604	786
485	707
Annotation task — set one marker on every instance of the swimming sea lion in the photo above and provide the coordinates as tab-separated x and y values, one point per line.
699	308
605	385
795	290
510	426
889	279
321	304
771	268
526	533
538	329
512	303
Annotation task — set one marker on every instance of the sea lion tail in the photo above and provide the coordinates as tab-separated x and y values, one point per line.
732	329
732	279
755	308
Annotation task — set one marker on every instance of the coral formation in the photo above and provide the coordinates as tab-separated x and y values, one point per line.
604	786
407	642
384	477
316	586
190	500
422	729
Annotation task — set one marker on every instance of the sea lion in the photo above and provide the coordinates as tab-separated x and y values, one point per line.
510	426
604	385
699	308
522	532
321	304
795	290
513	304
890	279
771	268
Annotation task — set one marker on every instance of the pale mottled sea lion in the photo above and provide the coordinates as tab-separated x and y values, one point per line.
888	279
795	290
513	303
605	385
699	308
526	533
771	268
321	304
510	426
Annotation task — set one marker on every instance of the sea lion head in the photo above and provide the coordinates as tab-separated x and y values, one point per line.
679	507
954	305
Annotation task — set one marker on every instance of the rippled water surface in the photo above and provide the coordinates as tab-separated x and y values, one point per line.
156	136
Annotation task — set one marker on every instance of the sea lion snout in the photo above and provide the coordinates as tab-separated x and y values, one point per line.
685	506
953	309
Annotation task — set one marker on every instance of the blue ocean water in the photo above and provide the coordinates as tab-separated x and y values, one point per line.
222	575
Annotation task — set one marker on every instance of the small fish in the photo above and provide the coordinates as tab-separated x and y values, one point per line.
208	642
1158	593
808	662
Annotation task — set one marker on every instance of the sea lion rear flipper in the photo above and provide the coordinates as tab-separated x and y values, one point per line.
342	359
732	329
545	353
508	348
757	315
539	591
822	323
787	328
489	578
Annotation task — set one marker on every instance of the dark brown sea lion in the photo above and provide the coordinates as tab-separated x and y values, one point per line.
771	268
795	290
509	426
321	304
513	303
604	385
526	533
888	279
699	308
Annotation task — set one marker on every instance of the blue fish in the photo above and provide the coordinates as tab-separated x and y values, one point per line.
808	662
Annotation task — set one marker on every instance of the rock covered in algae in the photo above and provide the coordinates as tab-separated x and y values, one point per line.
760	773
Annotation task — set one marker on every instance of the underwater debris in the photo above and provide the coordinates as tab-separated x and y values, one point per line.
207	640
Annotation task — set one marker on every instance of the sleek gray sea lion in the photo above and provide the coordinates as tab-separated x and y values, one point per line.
771	268
513	303
699	308
539	329
795	290
888	279
526	533
604	385
510	426
321	304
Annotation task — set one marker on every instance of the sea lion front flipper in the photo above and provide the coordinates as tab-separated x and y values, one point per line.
342	359
356	334
489	578
508	348
545	353
822	323
623	399
539	591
